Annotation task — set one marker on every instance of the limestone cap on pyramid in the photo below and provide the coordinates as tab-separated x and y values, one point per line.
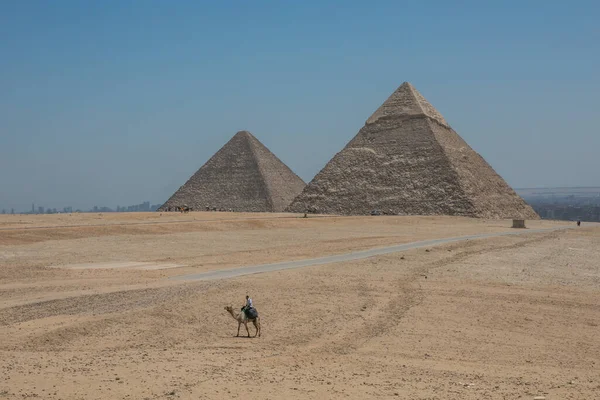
406	101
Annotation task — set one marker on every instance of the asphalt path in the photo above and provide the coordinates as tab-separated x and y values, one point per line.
355	255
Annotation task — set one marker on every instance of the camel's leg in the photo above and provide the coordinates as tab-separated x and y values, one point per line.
246	325
239	325
255	327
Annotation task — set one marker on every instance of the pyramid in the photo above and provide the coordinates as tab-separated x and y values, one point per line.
243	176
407	160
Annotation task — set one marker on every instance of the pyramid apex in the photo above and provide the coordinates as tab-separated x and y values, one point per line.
406	86
245	136
244	133
405	101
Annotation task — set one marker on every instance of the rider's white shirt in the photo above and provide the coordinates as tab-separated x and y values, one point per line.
249	303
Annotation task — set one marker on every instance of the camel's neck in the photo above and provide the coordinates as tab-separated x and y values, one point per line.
234	315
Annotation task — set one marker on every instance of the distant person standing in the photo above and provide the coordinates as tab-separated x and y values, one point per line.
578	222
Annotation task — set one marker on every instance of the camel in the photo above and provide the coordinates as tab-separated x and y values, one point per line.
242	319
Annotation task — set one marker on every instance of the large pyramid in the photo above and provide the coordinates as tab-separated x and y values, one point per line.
243	176
408	160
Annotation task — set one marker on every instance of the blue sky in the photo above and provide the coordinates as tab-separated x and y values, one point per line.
117	102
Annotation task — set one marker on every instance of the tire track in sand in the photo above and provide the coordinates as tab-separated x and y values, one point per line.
410	294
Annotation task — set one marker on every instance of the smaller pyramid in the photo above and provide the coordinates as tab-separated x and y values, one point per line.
243	176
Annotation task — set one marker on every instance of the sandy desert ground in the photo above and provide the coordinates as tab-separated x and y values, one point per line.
513	317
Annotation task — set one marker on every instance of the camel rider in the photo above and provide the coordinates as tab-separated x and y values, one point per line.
248	305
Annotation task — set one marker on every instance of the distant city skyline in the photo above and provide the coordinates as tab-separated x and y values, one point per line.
41	209
112	102
524	192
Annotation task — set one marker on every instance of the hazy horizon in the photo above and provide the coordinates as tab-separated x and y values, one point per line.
120	102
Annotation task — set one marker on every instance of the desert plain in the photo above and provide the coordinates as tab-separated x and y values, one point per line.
89	308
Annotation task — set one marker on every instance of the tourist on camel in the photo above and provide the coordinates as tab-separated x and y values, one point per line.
249	309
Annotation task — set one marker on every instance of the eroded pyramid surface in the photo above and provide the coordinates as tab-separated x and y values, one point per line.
407	160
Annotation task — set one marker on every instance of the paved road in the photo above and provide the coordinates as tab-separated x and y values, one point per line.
356	255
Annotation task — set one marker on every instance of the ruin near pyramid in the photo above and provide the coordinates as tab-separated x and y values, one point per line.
407	160
242	176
